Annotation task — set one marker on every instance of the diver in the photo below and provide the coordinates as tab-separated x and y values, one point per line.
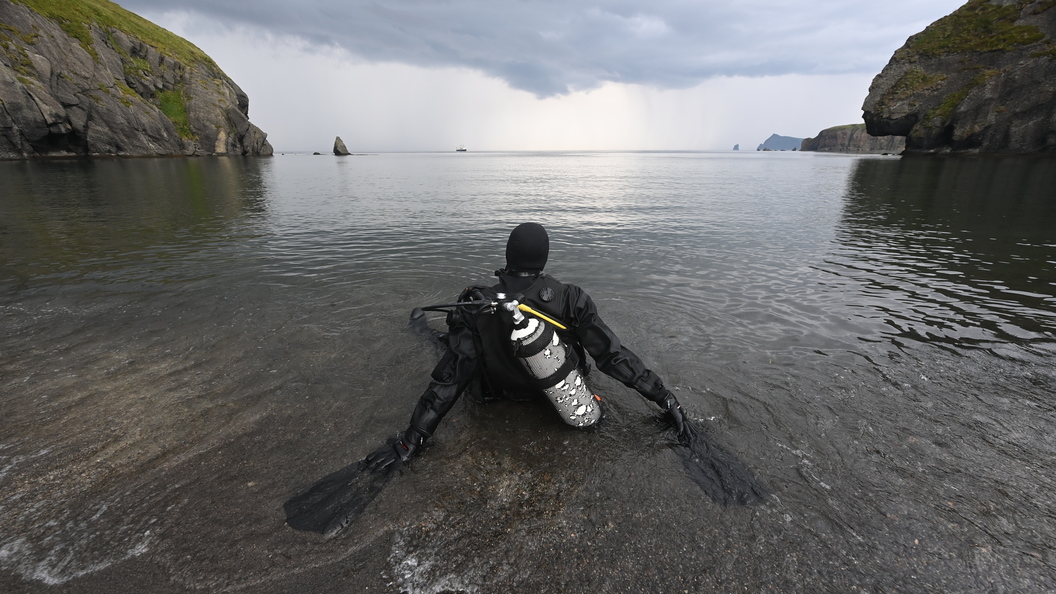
525	338
562	326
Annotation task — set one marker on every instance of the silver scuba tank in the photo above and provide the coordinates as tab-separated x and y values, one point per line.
550	363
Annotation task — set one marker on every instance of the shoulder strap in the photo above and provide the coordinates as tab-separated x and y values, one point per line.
547	296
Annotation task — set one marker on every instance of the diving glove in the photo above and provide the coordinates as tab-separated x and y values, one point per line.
399	449
674	410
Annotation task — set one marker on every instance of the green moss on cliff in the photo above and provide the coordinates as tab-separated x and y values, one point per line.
128	96
82	34
1049	51
17	56
978	26
131	65
940	115
76	16
28	38
1043	6
914	81
174	106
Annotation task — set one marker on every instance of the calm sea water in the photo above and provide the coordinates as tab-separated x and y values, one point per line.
185	344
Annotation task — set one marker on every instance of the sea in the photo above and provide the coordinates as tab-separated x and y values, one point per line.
186	344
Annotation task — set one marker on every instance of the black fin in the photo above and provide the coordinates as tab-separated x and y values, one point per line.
337	499
420	324
722	476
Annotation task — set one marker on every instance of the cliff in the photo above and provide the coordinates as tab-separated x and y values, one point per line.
980	80
90	78
853	138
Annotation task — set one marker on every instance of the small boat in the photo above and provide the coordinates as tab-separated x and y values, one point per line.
460	149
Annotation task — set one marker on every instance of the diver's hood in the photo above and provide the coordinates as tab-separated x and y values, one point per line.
528	248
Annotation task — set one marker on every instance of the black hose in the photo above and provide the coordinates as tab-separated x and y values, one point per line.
445	306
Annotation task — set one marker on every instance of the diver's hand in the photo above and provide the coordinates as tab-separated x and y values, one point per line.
399	449
674	410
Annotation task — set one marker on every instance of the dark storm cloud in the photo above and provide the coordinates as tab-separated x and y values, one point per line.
552	47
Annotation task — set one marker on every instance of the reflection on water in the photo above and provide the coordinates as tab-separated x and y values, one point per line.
186	344
958	250
94	217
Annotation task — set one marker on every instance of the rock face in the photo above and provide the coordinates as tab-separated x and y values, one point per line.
980	80
780	143
853	138
99	80
339	147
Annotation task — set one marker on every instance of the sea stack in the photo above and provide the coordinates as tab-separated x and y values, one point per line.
339	147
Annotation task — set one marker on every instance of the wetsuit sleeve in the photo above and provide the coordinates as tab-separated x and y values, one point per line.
611	357
450	377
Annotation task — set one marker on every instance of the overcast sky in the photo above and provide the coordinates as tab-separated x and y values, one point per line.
423	75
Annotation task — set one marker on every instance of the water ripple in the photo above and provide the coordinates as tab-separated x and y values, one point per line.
188	342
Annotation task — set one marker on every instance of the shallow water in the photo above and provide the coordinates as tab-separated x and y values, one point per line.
186	344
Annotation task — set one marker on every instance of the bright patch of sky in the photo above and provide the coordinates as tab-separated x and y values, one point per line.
547	75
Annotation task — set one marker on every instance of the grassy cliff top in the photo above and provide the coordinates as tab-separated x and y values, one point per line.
846	127
75	16
979	26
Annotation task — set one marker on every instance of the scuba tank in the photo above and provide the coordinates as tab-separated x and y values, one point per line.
553	365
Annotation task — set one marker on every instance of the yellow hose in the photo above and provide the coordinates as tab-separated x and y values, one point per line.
527	309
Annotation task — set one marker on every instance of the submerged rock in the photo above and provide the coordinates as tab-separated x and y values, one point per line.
91	78
980	80
853	138
339	147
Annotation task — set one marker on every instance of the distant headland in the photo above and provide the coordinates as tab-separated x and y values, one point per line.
777	142
89	78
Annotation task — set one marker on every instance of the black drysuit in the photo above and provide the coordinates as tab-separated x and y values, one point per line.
479	348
